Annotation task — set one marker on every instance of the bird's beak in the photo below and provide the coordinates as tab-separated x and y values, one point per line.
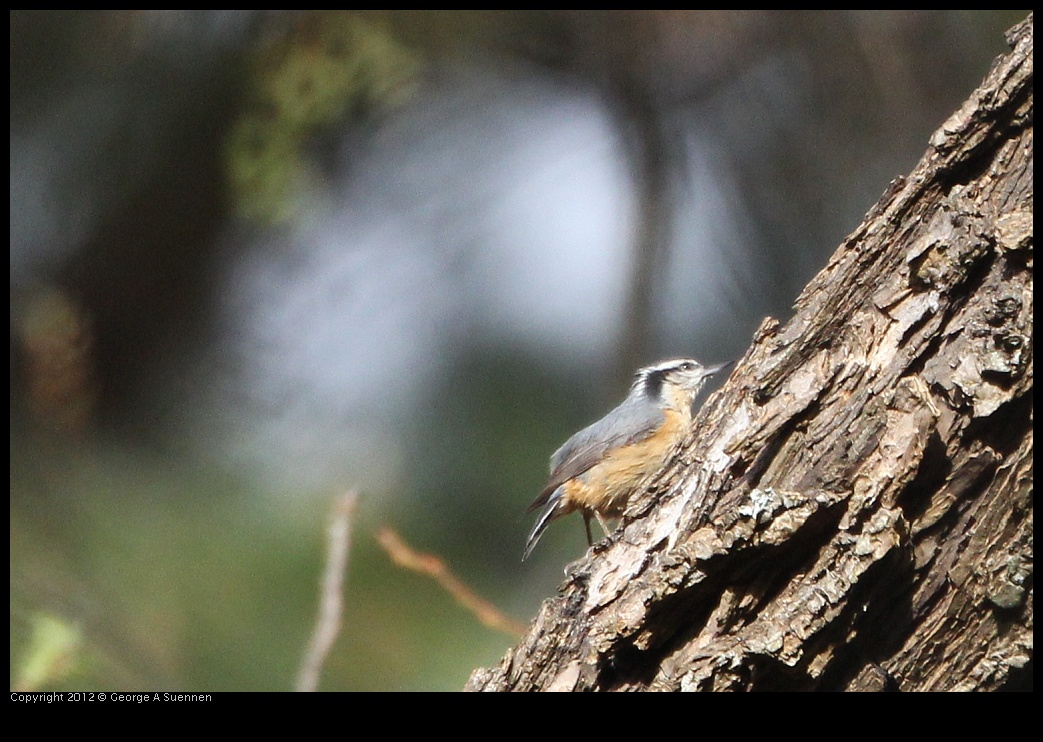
714	370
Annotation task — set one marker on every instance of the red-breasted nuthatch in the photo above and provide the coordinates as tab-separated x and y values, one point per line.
598	469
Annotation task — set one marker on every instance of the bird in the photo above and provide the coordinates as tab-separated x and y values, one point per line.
598	469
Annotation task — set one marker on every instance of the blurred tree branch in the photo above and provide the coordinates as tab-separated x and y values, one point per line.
331	599
427	564
856	511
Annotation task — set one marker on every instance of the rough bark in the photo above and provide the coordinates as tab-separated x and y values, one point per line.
856	511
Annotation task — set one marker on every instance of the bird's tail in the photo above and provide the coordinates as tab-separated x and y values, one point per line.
547	514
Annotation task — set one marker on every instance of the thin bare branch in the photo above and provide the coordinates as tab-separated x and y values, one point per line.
331	602
404	556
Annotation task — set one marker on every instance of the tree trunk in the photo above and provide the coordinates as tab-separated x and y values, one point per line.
854	508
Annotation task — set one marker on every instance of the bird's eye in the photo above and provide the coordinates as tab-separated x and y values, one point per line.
687	366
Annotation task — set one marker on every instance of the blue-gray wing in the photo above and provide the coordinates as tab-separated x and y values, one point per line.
632	421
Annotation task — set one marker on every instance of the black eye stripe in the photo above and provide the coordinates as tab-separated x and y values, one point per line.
654	382
650	379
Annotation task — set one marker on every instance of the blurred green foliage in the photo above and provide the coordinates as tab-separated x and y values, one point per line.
51	653
316	74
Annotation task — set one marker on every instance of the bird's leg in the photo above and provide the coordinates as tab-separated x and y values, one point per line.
586	524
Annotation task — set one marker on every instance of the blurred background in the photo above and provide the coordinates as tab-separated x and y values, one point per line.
259	259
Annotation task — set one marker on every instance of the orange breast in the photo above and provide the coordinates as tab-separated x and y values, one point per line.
607	487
